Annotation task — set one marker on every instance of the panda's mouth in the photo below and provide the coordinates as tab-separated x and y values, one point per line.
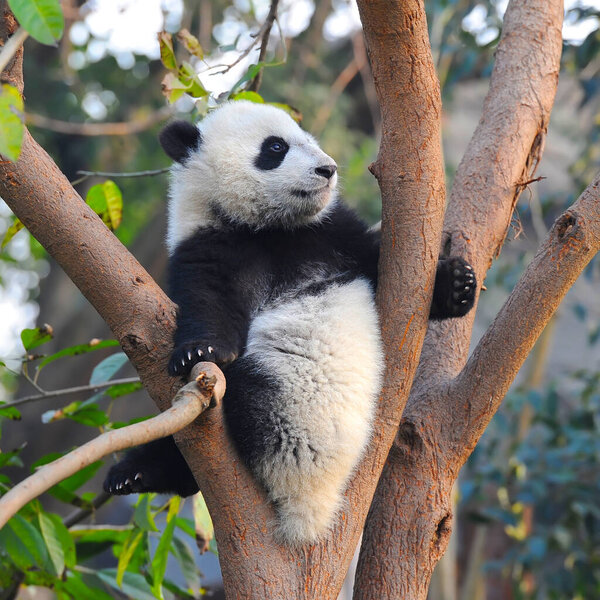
307	193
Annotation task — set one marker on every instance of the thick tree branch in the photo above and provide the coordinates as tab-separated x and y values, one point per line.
413	495
190	401
570	245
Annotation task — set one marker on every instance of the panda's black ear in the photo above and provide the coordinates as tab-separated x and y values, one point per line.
179	139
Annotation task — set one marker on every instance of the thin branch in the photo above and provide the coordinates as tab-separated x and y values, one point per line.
87	174
349	72
95	129
11	47
192	400
73	390
81	513
264	34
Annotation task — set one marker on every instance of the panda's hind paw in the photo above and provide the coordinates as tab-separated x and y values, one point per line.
122	480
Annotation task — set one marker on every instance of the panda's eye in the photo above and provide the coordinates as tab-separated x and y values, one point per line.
273	151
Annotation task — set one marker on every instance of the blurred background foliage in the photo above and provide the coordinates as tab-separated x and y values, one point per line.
528	519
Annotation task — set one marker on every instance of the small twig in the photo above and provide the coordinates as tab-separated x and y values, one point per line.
190	401
264	34
526	183
74	390
88	174
12	46
81	513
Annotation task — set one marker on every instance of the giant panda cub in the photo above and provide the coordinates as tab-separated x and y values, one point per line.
274	278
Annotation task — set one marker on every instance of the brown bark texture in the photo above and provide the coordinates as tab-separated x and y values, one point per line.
142	318
410	519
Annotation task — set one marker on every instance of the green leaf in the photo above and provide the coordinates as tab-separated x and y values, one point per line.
189	77
190	43
182	553
205	531
248	95
159	560
53	542
43	19
9	412
142	515
14	228
12	127
172	88
122	389
31	542
76	350
290	110
82	587
134	585
167	54
86	414
107	368
32	338
106	200
132	542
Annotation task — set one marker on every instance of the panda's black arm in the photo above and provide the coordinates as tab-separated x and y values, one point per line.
455	284
213	312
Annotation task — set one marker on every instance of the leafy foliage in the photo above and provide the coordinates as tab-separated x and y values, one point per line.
43	19
11	125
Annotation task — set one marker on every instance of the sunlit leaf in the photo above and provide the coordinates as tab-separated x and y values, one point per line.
205	531
106	200
189	77
13	229
248	95
167	54
11	122
129	547
172	88
9	412
32	338
190	43
43	19
159	560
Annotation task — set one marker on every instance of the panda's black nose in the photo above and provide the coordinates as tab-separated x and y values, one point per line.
326	171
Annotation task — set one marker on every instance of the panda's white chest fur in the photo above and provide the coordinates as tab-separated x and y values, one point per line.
323	348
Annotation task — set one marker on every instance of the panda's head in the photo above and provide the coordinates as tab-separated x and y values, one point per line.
248	164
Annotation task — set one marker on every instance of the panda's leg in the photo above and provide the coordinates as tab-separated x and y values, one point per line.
303	483
154	467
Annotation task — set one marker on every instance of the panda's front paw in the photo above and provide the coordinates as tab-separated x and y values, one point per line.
186	355
455	287
123	478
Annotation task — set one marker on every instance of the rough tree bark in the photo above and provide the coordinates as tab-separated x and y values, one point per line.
409	521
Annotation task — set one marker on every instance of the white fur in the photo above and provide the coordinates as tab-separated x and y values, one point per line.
325	351
222	172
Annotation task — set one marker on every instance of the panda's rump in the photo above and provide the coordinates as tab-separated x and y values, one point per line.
320	357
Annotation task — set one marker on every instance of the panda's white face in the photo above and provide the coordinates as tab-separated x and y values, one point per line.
248	164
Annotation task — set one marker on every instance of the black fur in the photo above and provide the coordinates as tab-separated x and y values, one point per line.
179	139
219	278
272	152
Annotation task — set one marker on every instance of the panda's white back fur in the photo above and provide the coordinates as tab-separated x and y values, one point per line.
319	340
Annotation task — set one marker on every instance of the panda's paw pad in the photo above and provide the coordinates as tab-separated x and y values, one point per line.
463	286
124	479
184	357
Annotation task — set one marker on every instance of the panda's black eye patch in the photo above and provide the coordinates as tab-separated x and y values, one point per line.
272	152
